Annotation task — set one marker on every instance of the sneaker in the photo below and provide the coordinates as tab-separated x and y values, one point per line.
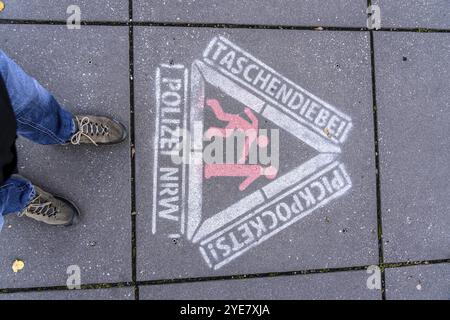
98	131
52	210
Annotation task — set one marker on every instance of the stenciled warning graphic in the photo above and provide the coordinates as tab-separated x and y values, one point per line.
218	125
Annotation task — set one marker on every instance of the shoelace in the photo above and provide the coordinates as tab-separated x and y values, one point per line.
40	208
88	129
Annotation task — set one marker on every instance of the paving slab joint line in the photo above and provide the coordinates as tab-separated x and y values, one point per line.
185	280
252	276
63	22
96	286
377	163
132	152
390	265
233	277
377	167
220	26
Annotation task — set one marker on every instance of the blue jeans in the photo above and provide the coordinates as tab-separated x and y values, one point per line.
40	119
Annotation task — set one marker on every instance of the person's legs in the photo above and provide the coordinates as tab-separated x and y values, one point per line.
41	119
39	116
18	195
15	194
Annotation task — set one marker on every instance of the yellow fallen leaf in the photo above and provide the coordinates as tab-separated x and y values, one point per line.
2	6
18	265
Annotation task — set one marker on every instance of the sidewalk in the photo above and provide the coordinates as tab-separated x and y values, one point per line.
363	119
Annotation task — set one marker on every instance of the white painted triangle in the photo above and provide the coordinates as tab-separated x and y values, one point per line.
206	71
259	197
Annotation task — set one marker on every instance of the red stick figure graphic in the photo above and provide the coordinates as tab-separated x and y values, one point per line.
236	122
250	171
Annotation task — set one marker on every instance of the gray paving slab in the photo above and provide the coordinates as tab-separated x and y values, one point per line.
418	283
91	294
334	66
332	286
414	13
105	10
413	103
87	70
288	12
